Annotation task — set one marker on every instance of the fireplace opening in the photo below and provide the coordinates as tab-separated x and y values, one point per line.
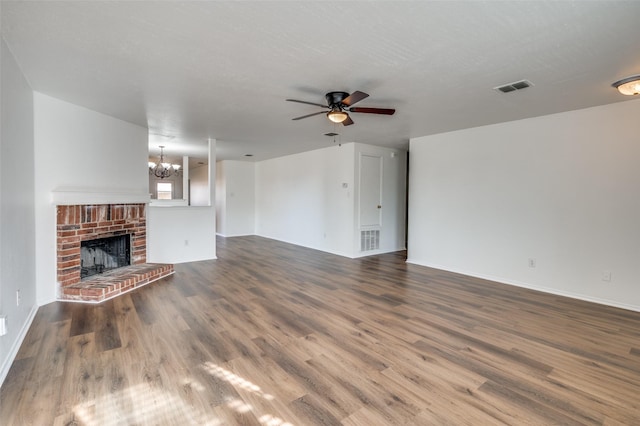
104	254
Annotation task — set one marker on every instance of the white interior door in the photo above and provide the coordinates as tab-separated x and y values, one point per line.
370	191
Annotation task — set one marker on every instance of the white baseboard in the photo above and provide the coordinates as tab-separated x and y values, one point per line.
376	252
234	235
522	284
356	255
337	253
11	356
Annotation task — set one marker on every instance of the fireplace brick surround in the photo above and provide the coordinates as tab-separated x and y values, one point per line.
77	223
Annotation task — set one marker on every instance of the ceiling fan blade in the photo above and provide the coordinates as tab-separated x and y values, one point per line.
347	122
383	111
309	115
305	102
354	97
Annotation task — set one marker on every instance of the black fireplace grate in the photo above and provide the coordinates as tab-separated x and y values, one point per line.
104	254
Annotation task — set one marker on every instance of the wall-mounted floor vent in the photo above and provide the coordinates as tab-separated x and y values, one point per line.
369	240
512	87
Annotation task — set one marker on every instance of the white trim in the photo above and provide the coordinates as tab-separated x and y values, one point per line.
195	260
234	235
6	366
305	246
75	196
358	255
168	203
522	284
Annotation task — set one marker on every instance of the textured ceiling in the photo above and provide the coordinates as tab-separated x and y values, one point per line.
194	70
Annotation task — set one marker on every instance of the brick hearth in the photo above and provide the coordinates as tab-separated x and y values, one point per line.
110	284
79	223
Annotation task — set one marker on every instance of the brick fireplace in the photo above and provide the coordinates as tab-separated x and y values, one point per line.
78	223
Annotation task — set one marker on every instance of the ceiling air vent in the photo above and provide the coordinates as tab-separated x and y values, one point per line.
512	87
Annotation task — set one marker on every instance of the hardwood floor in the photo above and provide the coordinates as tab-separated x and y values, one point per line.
275	334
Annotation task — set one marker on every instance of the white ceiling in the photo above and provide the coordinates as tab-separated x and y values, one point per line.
198	70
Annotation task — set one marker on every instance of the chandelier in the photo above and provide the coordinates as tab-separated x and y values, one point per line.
162	169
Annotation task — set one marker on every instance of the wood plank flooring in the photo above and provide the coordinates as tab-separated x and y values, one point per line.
275	334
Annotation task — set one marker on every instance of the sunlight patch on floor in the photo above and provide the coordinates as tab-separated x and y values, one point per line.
140	404
241	406
270	420
234	379
192	384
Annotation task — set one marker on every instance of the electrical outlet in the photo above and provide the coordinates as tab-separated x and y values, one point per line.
17	297
186	242
606	276
532	263
3	325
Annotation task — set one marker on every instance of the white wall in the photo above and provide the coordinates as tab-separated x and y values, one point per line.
300	199
561	189
394	180
17	217
184	234
200	185
180	234
236	201
80	149
221	198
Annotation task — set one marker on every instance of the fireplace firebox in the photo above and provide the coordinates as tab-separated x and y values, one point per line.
104	254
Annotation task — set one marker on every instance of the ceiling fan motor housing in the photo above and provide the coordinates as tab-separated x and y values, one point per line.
336	98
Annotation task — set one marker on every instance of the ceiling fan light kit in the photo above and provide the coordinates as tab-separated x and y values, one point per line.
628	86
337	116
340	104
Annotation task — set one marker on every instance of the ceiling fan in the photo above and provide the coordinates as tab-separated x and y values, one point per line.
340	103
